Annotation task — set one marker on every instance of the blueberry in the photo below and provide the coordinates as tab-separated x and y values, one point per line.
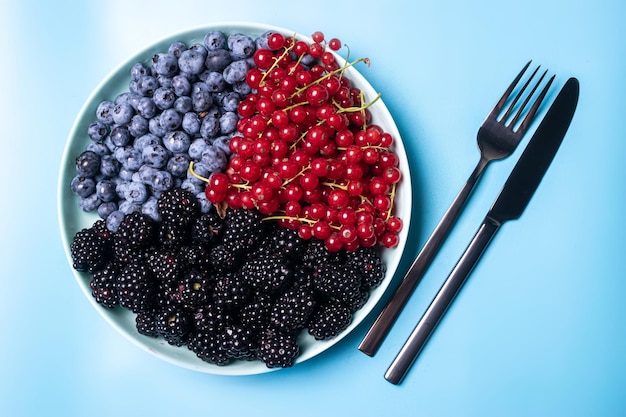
165	64
261	41
104	112
214	159
138	126
125	174
105	190
191	61
191	186
228	122
164	98
165	82
214	40
176	141
196	148
210	126
230	101
146	85
198	48
109	166
129	157
222	143
128	207
145	140
176	48
170	119
201	97
235	72
215	81
150	209
241	46
98	148
113	220
139	70
183	105
120	135
162	181
145	175
205	205
242	88
89	203
178	165
154	126
135	193
191	123
155	156
217	60
105	209
122	113
83	186
88	164
97	131
146	108
181	85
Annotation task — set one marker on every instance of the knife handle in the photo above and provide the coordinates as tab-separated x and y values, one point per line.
438	307
387	317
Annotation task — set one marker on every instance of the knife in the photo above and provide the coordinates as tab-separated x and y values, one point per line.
513	199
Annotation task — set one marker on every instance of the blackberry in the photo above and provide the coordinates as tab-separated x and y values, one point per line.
283	242
103	285
126	254
211	319
89	251
231	292
223	260
173	324
100	227
136	230
195	289
208	347
267	274
239	342
315	254
164	264
174	233
136	288
337	280
331	318
196	256
369	264
244	230
146	324
292	309
178	205
278	349
255	315
207	229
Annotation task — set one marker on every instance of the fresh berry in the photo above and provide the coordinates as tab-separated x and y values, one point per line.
135	288
278	349
329	320
88	250
103	285
174	325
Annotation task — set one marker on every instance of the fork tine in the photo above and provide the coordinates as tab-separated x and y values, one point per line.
528	97
498	107
533	110
518	96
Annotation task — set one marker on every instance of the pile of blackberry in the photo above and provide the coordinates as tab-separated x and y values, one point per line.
228	287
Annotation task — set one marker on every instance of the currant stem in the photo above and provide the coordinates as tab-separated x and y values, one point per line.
192	172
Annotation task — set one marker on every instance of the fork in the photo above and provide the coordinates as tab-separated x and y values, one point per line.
498	137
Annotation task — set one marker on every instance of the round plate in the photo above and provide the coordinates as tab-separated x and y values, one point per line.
72	219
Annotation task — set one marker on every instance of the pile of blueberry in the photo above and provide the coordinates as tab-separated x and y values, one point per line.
180	107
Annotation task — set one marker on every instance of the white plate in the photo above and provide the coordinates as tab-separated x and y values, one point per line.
72	218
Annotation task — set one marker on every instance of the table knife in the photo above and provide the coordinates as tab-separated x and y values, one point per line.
511	202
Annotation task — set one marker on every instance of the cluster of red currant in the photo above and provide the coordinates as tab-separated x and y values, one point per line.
307	154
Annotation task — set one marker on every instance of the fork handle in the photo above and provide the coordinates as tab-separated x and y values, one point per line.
444	298
387	317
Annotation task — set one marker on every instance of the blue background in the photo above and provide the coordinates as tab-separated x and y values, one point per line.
538	329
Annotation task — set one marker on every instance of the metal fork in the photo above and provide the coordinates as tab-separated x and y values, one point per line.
498	137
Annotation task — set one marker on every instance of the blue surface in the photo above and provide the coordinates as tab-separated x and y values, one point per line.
537	330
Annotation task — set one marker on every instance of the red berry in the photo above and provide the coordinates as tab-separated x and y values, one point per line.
334	44
275	41
318	36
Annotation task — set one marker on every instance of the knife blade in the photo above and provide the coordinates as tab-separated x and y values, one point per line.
509	205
